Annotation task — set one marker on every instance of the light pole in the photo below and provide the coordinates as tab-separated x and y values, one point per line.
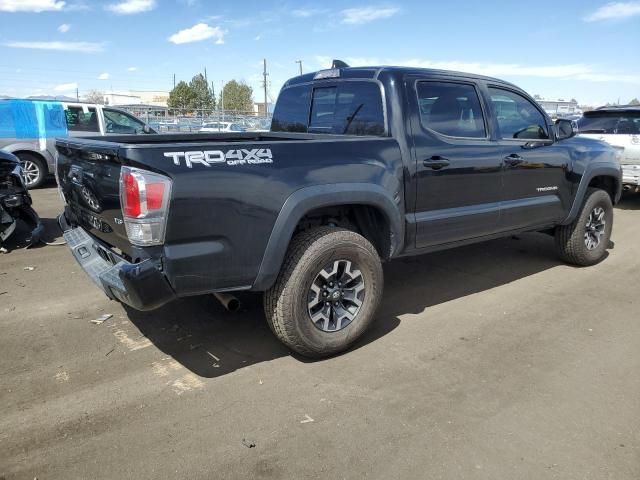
299	62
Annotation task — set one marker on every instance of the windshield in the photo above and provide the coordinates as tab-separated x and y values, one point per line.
610	123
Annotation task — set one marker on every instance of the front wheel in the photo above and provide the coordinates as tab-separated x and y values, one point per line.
327	292
585	241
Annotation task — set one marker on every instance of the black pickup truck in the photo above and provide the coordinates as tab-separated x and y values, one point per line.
362	165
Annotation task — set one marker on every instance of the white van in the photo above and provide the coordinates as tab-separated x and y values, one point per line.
28	129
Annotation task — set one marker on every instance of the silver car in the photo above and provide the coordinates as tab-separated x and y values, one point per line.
28	129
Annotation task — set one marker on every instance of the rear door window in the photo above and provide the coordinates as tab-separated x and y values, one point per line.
451	109
82	119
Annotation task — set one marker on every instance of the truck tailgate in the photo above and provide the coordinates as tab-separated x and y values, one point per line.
88	175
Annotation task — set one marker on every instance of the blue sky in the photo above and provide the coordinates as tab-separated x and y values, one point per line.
583	49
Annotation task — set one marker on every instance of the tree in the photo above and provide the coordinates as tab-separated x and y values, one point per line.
537	97
634	101
94	96
573	100
203	98
237	96
181	97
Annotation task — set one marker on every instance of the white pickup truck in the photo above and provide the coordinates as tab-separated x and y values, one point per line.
619	126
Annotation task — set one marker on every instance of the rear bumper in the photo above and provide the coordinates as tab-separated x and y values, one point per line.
140	285
631	175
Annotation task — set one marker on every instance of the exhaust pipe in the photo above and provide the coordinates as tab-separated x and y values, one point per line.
231	303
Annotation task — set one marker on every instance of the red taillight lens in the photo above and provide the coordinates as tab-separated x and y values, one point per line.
131	197
155	195
144	197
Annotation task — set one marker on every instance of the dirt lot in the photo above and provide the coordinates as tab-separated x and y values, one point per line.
493	361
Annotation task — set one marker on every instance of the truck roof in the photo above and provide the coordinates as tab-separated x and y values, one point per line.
373	72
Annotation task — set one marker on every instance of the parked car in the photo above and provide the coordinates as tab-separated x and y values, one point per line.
211	127
362	165
619	126
28	129
15	201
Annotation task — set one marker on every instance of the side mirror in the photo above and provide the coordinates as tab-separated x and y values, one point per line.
564	129
147	129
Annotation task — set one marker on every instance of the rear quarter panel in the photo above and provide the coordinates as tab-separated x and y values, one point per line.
222	216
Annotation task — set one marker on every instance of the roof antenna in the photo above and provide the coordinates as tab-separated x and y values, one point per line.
339	64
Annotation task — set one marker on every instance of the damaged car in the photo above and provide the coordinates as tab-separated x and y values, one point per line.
15	201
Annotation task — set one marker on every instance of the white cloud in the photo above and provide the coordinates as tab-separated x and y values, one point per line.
575	71
64	28
30	5
258	37
358	16
132	69
306	12
65	87
198	33
614	10
82	47
103	76
128	7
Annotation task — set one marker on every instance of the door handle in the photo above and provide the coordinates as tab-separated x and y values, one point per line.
436	162
513	159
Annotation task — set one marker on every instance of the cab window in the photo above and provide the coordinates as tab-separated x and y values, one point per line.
119	122
81	119
610	122
451	109
517	117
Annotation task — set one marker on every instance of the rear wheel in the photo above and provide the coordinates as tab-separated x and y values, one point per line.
327	292
34	169
585	241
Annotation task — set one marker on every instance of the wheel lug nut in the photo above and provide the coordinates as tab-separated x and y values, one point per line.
331	284
336	304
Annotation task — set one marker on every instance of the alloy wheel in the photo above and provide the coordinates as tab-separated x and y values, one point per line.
595	228
335	296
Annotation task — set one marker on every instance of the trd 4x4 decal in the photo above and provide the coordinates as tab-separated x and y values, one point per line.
231	157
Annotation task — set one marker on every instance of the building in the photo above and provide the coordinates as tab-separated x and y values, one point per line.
156	98
559	107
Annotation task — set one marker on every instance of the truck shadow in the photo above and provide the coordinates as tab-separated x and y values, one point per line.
629	201
206	339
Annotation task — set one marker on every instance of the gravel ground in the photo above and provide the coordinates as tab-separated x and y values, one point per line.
494	361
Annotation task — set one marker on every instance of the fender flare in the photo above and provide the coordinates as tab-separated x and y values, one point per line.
594	170
310	198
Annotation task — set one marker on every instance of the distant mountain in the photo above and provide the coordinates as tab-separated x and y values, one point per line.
60	98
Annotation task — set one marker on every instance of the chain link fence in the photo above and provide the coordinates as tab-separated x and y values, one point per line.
166	120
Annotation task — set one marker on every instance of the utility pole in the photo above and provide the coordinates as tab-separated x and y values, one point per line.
77	94
222	99
174	80
299	62
264	76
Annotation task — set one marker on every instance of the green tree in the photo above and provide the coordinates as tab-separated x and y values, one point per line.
203	98
634	101
181	97
237	96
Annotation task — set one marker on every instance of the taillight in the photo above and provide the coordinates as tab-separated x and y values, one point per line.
145	204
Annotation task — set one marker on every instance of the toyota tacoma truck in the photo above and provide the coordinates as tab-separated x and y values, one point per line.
361	166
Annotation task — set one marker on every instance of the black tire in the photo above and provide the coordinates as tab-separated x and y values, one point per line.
286	304
35	164
571	240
